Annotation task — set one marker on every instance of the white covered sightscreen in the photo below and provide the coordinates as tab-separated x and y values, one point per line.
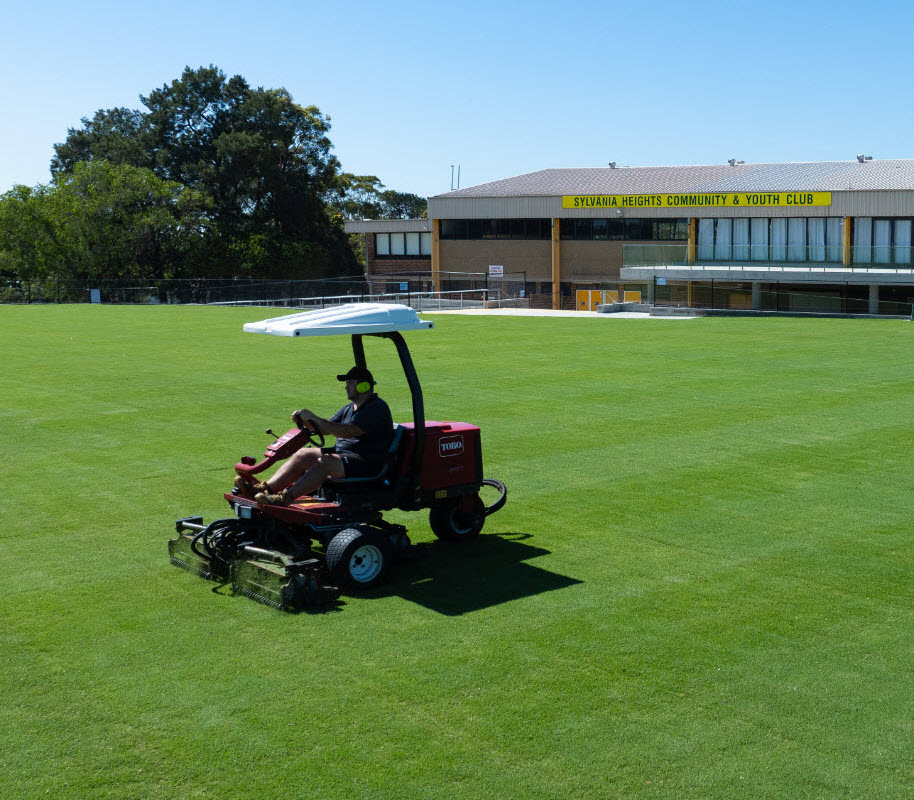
354	318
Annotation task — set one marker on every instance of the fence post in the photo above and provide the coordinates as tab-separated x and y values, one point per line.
28	291
712	294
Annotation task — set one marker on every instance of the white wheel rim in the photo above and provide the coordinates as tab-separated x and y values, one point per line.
365	563
455	527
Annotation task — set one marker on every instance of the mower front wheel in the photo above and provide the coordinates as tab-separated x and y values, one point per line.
450	521
358	560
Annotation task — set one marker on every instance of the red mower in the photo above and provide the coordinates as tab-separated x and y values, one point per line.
336	539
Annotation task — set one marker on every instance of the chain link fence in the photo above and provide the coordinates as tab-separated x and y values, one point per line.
457	290
179	291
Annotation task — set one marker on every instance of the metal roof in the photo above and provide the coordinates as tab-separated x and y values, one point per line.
824	176
387	225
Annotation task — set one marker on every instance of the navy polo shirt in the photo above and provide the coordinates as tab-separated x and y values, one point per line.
373	417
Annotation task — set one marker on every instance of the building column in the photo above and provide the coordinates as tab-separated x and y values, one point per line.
874	299
556	266
756	296
650	290
436	255
691	248
846	258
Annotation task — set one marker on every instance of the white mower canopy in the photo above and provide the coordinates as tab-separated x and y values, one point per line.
354	318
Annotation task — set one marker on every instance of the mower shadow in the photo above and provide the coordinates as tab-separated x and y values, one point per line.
455	578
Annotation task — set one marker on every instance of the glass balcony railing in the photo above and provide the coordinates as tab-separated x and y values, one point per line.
772	257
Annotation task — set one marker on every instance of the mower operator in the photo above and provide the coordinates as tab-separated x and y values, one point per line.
363	431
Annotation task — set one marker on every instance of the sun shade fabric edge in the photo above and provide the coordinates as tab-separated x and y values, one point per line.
353	318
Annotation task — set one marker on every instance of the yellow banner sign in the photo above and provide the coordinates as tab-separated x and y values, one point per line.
731	200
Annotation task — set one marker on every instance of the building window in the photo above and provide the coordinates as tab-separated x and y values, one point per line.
741	239
882	241
903	241
723	245
834	239
758	236
662	230
778	237
512	229
414	244
453	229
817	239
636	229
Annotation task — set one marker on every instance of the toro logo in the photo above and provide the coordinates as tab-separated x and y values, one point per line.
450	446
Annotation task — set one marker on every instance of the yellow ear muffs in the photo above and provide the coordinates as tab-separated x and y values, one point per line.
363	387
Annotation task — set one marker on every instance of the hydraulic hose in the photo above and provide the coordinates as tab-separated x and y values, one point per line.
498	504
205	535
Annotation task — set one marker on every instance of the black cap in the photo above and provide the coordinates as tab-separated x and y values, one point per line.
357	374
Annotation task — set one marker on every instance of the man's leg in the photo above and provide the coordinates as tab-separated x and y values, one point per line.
322	467
329	465
292	469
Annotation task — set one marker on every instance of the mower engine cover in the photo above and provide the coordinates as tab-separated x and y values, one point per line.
452	454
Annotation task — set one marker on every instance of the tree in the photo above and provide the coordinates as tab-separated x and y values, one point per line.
28	248
117	135
402	205
101	221
364	197
357	196
263	163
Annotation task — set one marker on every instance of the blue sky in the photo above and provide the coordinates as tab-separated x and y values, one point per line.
499	88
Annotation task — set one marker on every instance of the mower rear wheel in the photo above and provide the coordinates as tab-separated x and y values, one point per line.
449	521
358	559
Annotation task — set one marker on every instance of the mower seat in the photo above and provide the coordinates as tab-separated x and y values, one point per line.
384	480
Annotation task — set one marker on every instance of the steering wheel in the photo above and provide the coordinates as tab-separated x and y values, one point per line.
315	431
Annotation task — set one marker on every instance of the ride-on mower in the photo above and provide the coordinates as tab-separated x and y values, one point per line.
336	539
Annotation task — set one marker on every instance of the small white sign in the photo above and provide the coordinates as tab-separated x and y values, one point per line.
496	269
95	295
661	281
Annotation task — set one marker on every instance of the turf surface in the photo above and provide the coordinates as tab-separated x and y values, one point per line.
700	586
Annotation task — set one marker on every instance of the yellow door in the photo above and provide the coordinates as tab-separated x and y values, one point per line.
583	300
633	297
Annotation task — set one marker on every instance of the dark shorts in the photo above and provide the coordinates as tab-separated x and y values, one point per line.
354	466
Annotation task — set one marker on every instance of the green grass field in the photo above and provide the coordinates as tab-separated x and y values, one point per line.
701	586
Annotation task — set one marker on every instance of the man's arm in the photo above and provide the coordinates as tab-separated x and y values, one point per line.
340	430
